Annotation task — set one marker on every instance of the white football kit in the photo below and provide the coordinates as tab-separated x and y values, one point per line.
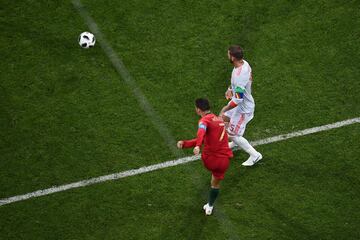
241	80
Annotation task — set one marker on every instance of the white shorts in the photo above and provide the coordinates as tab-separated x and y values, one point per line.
238	121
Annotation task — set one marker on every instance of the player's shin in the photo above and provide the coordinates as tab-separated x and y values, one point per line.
245	145
214	192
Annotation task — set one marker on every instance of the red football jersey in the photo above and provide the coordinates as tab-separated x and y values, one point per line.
213	134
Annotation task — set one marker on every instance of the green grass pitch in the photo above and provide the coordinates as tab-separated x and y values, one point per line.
66	115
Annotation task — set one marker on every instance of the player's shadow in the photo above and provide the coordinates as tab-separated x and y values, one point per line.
192	225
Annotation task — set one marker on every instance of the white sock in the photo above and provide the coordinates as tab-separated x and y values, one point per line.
232	144
245	145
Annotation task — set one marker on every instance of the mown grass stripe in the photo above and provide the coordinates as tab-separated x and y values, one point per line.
121	69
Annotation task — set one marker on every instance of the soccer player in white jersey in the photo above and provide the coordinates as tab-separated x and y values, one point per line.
240	109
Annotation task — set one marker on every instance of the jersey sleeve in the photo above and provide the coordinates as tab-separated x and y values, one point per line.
201	132
189	143
238	90
199	138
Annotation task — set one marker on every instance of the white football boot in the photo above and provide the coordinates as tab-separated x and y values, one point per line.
208	209
252	160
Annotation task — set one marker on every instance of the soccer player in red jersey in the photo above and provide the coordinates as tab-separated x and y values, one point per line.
215	153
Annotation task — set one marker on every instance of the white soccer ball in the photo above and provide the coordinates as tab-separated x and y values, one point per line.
87	40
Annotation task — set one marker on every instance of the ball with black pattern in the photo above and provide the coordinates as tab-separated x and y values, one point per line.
87	40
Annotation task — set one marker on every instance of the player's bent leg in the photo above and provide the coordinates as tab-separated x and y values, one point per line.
231	143
230	118
218	173
216	179
213	193
245	145
255	156
237	138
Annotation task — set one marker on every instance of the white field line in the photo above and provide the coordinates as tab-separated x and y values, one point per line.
171	163
306	131
130	81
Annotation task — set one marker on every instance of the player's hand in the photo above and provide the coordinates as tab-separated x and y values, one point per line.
180	144
228	94
222	114
196	150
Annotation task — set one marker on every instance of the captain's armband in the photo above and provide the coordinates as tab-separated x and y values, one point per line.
239	92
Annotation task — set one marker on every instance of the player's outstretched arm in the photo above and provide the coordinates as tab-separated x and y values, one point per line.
189	144
186	143
196	142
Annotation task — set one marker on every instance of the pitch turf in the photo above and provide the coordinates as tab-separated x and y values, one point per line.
66	115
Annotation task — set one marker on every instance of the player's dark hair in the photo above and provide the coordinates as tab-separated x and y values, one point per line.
236	52
203	104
